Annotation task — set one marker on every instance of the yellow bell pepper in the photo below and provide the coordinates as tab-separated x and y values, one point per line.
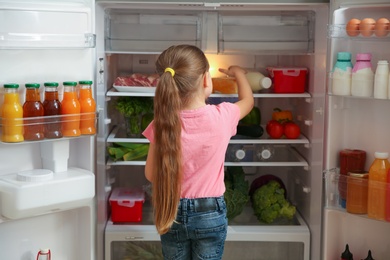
282	116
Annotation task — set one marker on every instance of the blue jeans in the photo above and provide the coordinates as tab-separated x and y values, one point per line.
199	231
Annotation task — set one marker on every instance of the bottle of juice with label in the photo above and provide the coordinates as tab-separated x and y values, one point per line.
377	178
12	115
87	108
52	108
70	110
33	113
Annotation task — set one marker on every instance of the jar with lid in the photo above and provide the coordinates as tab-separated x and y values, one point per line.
377	179
357	192
33	113
381	80
70	110
12	115
362	76
87	108
342	74
351	160
52	111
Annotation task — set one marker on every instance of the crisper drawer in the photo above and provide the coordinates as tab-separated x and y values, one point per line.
265	32
143	31
244	29
139	250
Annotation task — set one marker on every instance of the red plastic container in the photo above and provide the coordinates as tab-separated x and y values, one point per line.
126	204
288	80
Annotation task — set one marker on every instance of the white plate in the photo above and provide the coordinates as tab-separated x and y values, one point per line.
135	89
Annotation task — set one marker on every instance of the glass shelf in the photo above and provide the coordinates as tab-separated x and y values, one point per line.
46	41
112	92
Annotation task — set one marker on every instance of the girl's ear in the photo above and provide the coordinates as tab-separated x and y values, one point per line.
207	82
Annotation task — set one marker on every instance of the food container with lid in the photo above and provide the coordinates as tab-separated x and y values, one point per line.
126	204
288	79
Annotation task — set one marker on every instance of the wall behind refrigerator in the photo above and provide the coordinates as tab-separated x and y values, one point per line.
40	42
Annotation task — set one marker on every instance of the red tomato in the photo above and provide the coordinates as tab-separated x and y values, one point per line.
274	129
291	130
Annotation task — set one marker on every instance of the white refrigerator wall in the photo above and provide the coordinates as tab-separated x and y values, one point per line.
355	123
48	41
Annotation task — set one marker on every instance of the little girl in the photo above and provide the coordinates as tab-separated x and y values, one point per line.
185	163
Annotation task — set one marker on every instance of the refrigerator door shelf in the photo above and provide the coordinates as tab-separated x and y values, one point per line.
66	190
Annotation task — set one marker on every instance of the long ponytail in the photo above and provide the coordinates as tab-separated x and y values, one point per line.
186	64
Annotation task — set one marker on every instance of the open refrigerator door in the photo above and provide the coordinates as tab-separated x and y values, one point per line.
47	186
356	122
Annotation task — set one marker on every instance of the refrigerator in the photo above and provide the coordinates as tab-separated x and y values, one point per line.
45	41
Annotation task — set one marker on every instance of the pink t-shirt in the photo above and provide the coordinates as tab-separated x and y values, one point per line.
205	136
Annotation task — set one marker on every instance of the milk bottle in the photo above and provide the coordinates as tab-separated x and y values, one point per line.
381	80
342	75
362	76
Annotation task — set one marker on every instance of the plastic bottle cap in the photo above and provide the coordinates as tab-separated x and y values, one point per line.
363	56
266	154
344	56
381	62
36	175
240	154
266	82
381	155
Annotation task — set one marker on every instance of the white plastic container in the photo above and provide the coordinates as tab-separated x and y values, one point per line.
381	81
38	192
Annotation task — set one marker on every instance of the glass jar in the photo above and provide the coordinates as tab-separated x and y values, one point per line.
52	111
32	107
12	115
87	108
70	110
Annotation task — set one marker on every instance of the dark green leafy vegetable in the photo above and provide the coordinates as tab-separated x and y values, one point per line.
236	194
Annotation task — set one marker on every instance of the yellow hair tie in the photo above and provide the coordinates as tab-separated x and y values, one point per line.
171	71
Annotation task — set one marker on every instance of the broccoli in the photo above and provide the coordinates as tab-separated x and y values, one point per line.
236	194
269	203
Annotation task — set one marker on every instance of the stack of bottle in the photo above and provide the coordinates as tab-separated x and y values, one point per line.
360	80
34	120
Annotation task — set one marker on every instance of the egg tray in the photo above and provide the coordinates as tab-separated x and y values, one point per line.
340	31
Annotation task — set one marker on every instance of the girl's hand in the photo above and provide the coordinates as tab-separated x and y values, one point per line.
232	71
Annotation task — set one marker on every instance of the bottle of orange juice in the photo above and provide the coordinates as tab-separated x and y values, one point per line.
12	115
70	110
88	108
377	177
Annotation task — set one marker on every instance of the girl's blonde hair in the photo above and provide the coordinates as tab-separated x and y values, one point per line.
174	90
